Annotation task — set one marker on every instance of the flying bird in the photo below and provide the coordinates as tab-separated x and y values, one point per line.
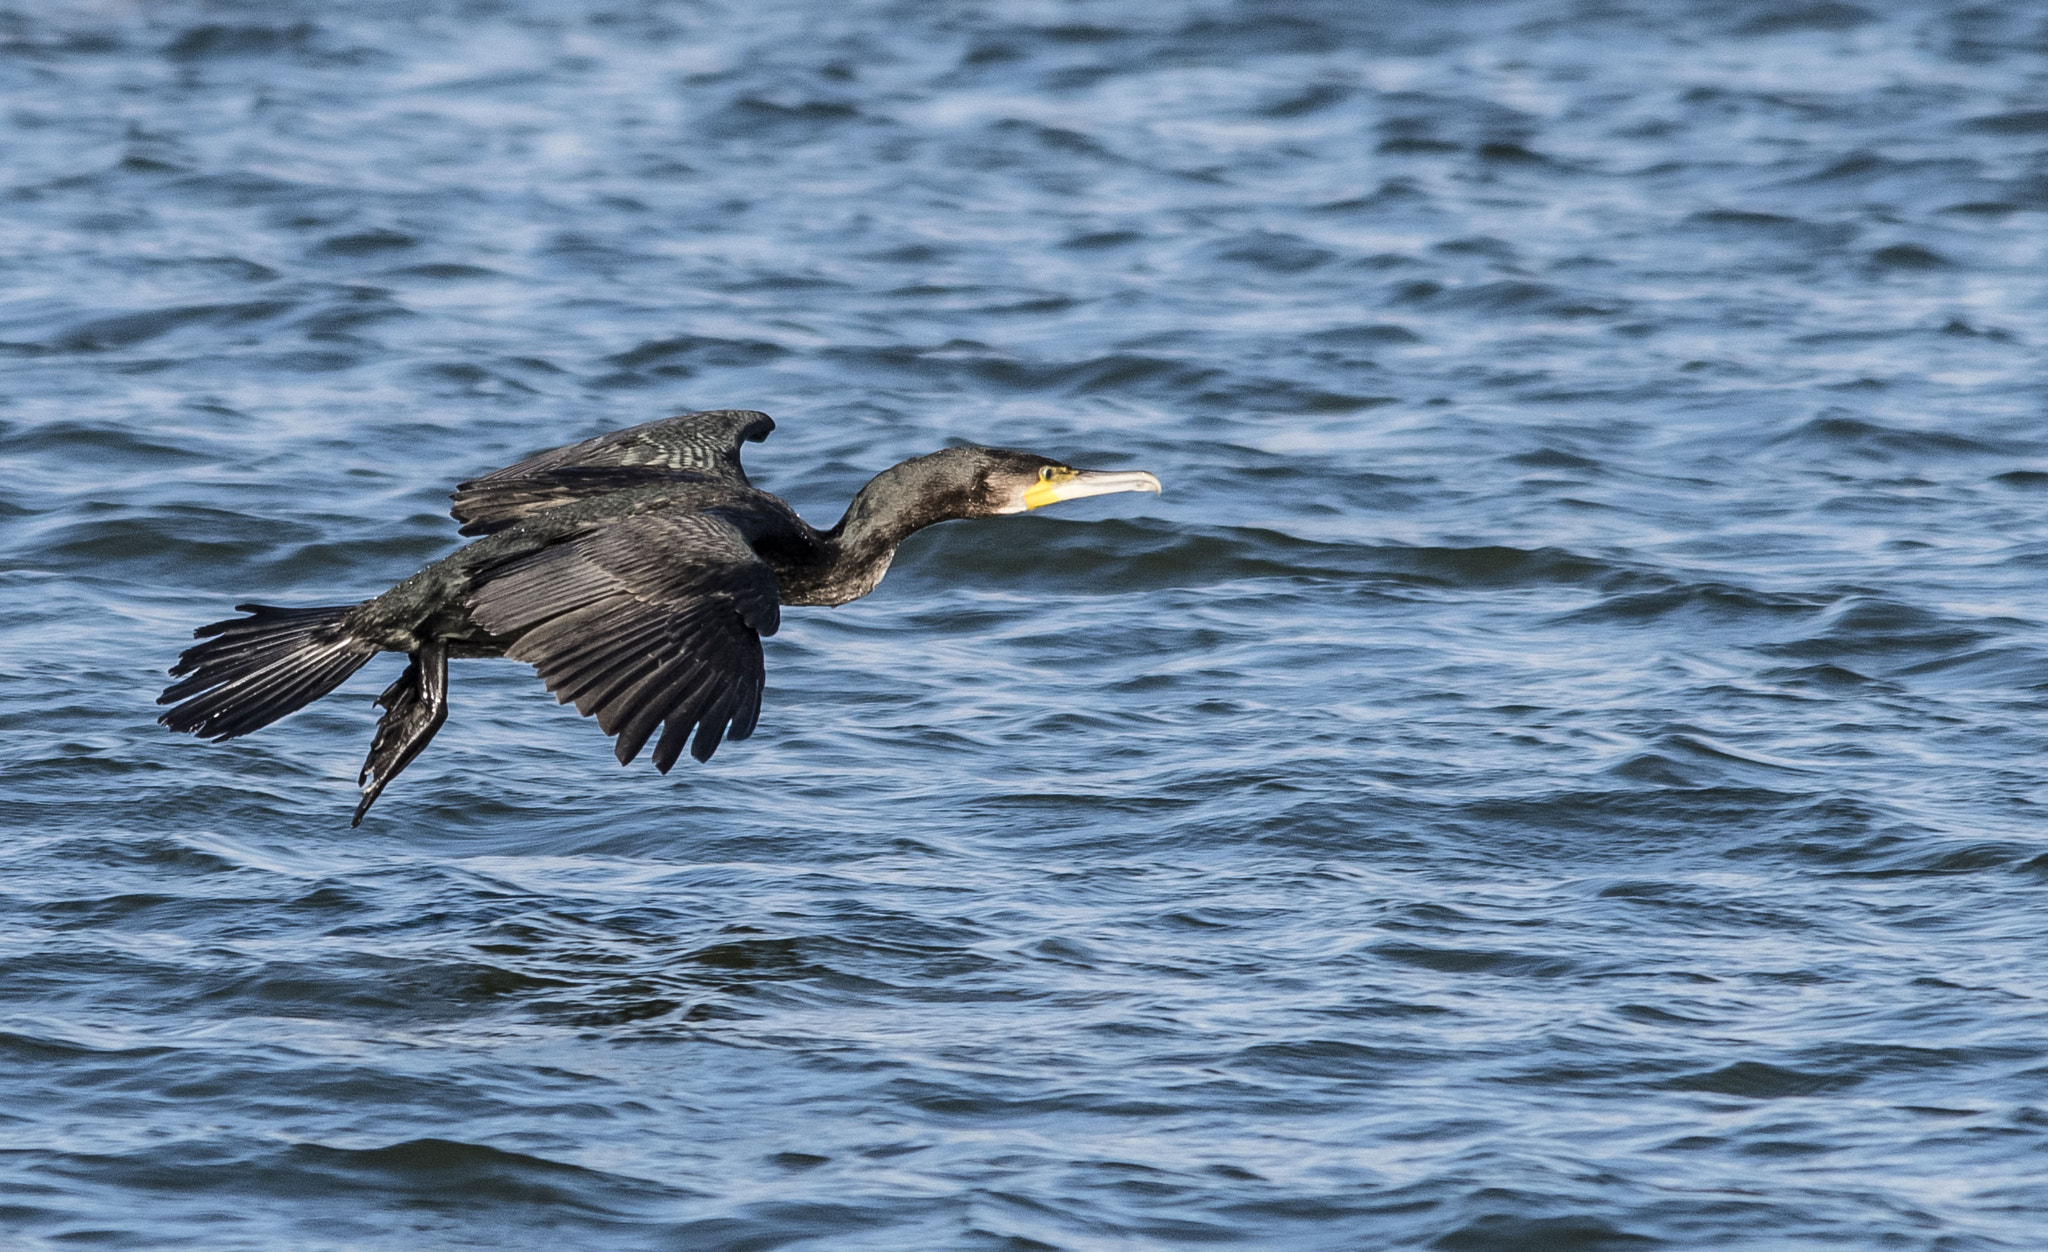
636	572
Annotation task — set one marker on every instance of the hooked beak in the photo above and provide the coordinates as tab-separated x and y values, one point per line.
1066	484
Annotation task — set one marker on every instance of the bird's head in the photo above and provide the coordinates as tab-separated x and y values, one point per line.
969	482
945	486
989	482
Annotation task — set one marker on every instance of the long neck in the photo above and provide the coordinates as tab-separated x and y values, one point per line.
895	504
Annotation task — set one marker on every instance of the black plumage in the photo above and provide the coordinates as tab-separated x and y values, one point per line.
694	448
636	572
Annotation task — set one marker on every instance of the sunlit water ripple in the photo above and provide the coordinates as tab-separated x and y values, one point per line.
1560	768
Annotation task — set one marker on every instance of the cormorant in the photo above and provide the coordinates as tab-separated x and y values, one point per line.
636	572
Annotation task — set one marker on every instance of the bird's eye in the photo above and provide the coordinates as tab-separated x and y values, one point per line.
1045	474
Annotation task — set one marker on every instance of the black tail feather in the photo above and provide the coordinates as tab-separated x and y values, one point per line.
253	670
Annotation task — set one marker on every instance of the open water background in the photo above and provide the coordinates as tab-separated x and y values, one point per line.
1561	767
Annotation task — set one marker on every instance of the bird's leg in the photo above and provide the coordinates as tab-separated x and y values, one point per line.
414	708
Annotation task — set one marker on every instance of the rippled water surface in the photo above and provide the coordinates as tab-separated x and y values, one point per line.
1560	768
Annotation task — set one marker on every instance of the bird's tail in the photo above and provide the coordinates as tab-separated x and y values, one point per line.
253	670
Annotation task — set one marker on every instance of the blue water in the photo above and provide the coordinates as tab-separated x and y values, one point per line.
1561	767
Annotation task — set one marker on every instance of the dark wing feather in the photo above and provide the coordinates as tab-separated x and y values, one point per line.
653	619
485	507
696	447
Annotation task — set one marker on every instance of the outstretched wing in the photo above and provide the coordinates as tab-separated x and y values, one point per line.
695	447
654	619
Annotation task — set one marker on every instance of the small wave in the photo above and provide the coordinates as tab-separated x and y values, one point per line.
1689	760
690	351
1274	253
755	117
1421	123
160	854
1909	256
1598	821
2019	122
1942	858
1841	430
1476	961
1711	600
974	365
1772	229
1234	35
442	1168
1865	169
1509	296
374	242
125	330
214	40
1305	101
24	1049
1876	627
1760	1080
443	272
1125	554
1363	336
237	269
239	189
1326	1058
71	440
189	539
1825	15
1826	677
1499	1232
370	985
1101	240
